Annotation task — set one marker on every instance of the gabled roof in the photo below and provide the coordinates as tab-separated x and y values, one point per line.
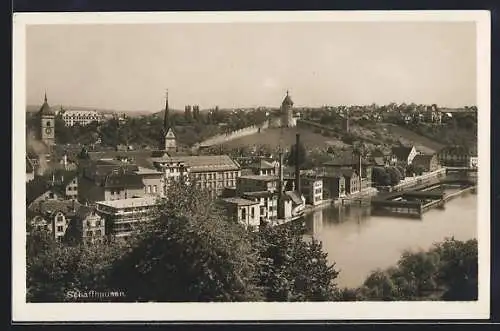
401	152
348	173
295	197
53	206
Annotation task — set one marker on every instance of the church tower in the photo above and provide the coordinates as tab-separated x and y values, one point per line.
47	124
287	118
169	142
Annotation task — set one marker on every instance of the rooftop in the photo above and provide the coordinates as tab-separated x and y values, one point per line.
240	201
260	178
147	171
204	163
131	202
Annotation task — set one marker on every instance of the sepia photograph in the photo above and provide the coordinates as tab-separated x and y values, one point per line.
251	165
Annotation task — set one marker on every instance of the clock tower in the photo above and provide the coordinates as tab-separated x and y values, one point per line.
47	124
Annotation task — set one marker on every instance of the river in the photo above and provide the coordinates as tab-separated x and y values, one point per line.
359	243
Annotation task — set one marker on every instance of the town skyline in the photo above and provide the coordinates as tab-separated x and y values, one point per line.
245	65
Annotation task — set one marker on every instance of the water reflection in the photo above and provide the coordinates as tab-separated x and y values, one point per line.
359	242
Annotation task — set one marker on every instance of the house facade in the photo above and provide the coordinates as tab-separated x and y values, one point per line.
312	189
268	204
243	211
429	162
122	217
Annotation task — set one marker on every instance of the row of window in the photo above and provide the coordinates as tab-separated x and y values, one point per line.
151	189
213	176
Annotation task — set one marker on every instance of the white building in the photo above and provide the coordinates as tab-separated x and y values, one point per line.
122	216
81	117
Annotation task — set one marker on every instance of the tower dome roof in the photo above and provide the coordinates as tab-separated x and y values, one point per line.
287	101
45	109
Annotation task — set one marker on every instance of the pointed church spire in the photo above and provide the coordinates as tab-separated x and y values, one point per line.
45	98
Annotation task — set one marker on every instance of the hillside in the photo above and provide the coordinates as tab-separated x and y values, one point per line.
406	136
275	137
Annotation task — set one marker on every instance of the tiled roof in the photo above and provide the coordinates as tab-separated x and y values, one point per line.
53	206
202	163
239	201
118	180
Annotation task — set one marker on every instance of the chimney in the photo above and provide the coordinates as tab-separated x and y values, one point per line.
297	167
281	186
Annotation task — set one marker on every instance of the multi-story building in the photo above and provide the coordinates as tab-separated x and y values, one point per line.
256	183
334	186
263	168
80	117
213	173
312	189
243	211
53	216
122	217
47	124
403	154
89	226
268	203
428	162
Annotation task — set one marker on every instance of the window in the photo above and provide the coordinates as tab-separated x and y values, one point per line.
149	189
51	195
48	123
252	212
98	233
154	189
60	228
244	214
97	223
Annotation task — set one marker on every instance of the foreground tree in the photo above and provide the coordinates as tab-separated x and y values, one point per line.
54	270
191	253
292	269
448	271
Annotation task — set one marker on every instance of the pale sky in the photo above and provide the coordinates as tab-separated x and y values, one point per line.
128	67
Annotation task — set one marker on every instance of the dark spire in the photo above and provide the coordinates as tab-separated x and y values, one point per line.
45	99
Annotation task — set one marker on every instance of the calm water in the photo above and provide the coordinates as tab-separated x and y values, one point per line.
359	243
